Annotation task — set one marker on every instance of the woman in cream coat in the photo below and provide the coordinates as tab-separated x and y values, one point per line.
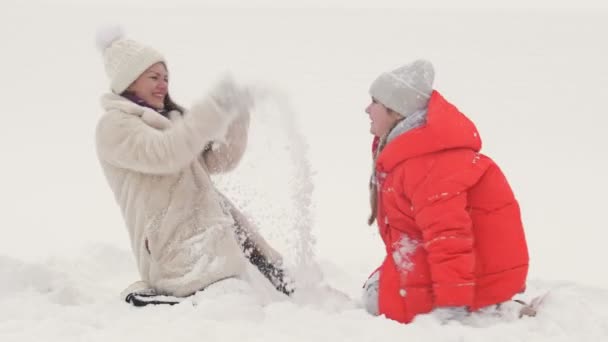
157	159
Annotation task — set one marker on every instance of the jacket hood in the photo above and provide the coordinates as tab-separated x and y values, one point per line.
446	128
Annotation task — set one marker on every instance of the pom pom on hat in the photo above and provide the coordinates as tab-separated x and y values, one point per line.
108	35
124	59
406	89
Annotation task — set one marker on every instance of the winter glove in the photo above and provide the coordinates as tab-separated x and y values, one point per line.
231	97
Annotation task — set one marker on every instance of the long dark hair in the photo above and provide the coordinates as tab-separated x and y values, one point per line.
373	182
171	105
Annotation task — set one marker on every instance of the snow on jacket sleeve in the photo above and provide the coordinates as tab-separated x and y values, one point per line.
126	141
224	155
441	214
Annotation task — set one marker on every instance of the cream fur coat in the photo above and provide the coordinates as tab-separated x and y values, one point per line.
158	169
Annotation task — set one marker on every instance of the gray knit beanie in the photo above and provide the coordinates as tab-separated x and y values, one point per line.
406	89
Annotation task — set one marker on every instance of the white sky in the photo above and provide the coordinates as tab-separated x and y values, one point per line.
534	83
436	4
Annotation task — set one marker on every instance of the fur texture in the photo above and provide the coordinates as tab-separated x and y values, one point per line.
181	234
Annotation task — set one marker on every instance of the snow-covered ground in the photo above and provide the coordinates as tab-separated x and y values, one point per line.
533	80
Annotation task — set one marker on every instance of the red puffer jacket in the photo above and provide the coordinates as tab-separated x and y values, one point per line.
449	220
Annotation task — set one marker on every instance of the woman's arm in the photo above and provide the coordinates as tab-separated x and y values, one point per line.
223	156
125	141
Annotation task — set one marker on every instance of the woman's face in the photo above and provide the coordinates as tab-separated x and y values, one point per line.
152	85
382	118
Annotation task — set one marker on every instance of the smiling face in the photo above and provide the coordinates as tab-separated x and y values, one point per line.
382	118
152	85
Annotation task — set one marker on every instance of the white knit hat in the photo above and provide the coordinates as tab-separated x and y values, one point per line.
124	59
406	89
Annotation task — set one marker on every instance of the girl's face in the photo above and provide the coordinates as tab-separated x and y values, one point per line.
152	85
383	119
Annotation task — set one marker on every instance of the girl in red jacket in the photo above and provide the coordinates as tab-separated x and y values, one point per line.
446	213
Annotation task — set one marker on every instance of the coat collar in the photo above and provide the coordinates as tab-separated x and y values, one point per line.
114	102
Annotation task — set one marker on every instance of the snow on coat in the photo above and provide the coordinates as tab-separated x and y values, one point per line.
448	218
182	237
